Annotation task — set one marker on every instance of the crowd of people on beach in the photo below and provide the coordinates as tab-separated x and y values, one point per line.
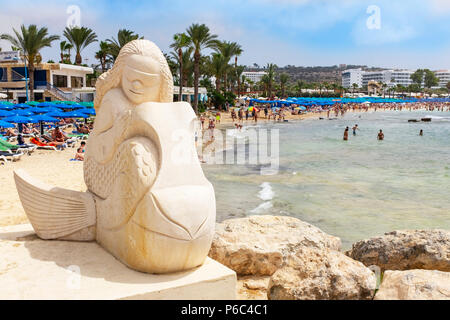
64	134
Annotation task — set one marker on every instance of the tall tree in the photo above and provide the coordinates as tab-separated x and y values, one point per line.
228	50
217	67
270	69
30	40
430	79
239	71
180	41
417	77
80	38
300	86
102	55
354	86
284	77
64	47
123	37
200	38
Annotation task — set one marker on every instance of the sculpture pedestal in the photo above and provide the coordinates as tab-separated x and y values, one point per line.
31	268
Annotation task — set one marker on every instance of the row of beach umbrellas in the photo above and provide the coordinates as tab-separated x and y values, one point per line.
39	112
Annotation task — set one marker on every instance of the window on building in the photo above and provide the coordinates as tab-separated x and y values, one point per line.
76	82
60	81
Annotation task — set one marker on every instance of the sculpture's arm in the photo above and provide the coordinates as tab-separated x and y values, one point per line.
107	140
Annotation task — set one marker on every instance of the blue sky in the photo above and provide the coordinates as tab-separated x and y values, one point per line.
412	33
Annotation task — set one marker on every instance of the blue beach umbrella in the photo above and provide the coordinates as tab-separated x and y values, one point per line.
21	106
39	110
20	112
55	114
74	114
4	113
45	104
6	107
4	124
19	119
44	118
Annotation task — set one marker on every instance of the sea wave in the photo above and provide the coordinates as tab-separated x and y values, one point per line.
263	207
266	193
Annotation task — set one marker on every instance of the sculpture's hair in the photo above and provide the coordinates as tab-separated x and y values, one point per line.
112	78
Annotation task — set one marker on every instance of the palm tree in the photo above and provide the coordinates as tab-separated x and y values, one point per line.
284	77
199	38
181	40
354	86
217	67
271	67
63	47
300	86
123	37
80	38
103	55
384	86
30	41
228	50
239	71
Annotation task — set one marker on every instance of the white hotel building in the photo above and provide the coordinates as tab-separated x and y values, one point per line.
391	77
254	76
443	76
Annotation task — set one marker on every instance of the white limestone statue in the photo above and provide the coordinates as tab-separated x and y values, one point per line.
148	202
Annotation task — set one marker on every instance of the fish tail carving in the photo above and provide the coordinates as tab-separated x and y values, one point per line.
56	213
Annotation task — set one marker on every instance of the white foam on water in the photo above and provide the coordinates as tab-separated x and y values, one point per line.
262	207
266	194
437	117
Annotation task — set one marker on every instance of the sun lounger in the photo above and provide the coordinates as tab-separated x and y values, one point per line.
41	145
11	156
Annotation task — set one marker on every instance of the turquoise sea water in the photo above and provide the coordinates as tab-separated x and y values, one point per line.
354	189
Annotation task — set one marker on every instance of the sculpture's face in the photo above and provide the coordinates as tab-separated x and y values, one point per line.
141	79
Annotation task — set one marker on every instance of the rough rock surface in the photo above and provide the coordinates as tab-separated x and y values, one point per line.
415	285
252	287
258	245
404	250
322	274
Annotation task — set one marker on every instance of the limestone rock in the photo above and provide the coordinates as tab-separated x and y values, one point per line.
322	274
415	285
404	250
252	287
258	245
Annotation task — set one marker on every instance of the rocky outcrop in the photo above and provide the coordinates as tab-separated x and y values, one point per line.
252	287
414	285
321	274
258	245
404	250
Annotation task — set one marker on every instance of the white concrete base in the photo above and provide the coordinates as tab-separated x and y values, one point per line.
31	268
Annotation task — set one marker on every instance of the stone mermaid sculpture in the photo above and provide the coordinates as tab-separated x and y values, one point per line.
148	202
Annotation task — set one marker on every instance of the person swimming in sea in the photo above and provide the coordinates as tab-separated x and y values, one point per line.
346	134
381	135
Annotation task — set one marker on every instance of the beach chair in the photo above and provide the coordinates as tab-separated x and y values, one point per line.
41	145
11	156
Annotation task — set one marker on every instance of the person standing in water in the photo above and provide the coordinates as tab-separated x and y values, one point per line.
421	132
346	134
381	135
354	129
